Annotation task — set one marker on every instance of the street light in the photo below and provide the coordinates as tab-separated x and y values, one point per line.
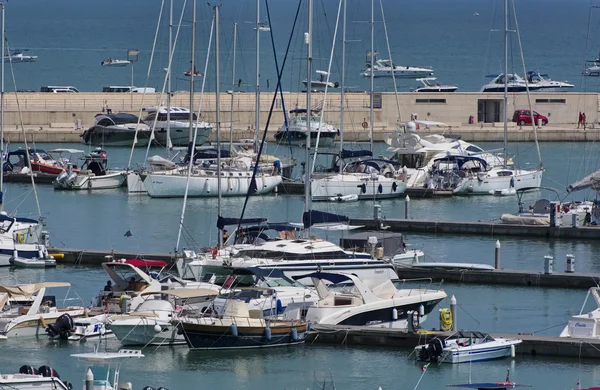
132	56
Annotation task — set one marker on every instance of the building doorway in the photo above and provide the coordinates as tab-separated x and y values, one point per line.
489	110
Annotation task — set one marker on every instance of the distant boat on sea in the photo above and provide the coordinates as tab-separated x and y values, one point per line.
17	56
115	63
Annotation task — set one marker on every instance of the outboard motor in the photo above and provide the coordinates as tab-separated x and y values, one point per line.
28	370
60	179
48	372
63	327
432	352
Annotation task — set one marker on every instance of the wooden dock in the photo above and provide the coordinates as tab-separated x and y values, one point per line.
479	228
371	336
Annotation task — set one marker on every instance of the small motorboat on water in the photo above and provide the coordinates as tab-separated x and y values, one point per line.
17	56
115	63
93	175
343	198
18	161
42	262
429	86
585	325
321	83
385	68
465	347
196	73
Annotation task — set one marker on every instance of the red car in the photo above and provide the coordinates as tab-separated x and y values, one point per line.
523	117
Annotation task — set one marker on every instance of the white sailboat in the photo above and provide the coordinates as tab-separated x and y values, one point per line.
369	179
502	180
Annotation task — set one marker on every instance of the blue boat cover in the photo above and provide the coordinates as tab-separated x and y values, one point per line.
462	160
313	217
355	153
222	222
4	218
333	278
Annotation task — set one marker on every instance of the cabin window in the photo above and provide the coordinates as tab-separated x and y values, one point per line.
430	101
552	101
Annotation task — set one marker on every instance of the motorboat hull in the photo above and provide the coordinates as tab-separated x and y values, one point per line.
400	72
209	333
179	134
86	182
298	138
466	355
142	332
33	263
482	185
360	185
90	327
24	251
31	325
174	186
115	137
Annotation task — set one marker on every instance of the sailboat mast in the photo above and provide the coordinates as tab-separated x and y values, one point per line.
232	87
257	95
505	108
308	42
2	116
342	84
371	95
169	143
192	74
218	120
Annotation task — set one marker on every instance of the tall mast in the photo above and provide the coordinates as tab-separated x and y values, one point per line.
371	95
342	84
257	94
2	114
308	41
505	109
169	143
192	71
232	87
218	120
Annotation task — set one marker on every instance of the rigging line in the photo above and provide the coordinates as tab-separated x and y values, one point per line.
489	44
387	41
252	187
192	149
137	126
309	83
535	135
35	194
279	86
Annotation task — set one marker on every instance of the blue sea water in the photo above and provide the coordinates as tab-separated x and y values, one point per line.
459	39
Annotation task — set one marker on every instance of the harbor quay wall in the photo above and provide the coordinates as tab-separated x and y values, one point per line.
532	345
61	117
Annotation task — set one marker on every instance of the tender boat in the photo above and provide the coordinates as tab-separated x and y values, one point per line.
115	63
384	68
373	303
239	328
93	175
39	316
178	120
117	130
429	86
296	131
585	325
465	347
153	321
17	56
18	161
321	83
46	261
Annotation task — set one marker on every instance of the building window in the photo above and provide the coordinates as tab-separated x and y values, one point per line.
559	101
428	101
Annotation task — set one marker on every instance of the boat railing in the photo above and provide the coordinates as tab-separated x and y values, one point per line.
424	285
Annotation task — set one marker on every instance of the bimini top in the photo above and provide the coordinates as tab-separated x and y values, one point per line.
461	160
108	357
4	218
30	289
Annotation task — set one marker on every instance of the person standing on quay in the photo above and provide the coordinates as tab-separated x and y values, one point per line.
583	120
580	121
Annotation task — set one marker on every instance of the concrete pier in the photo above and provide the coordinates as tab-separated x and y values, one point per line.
473	116
97	257
480	228
371	336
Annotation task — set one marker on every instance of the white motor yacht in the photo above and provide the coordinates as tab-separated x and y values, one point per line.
38	316
296	131
430	86
321	83
384	68
585	325
347	299
515	83
544	82
178	120
17	56
466	347
117	130
29	378
115	63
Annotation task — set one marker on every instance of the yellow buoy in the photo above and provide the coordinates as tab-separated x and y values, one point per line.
57	255
445	319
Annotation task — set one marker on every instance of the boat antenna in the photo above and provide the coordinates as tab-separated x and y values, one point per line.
535	135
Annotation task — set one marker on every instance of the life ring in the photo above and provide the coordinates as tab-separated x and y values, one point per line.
20	238
365	124
445	319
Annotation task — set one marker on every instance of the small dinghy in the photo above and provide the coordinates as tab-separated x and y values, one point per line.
504	192
507	384
33	262
343	198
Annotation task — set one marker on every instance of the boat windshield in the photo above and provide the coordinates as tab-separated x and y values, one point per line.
278	282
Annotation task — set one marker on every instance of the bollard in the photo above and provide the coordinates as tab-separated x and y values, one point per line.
548	263
89	380
554	214
377	212
406	204
574	220
497	255
454	312
570	264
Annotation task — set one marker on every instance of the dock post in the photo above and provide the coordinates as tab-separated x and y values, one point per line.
377	215
453	311
89	380
497	255
570	264
548	264
406	204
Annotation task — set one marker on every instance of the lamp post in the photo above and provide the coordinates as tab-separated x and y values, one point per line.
132	56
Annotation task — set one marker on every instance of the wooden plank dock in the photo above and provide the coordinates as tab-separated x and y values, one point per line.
372	336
